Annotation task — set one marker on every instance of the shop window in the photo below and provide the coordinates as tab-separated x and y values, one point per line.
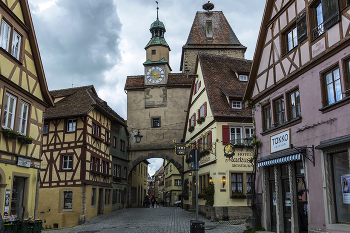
235	135
236	183
267	117
279	110
71	125
93	196
332	87
67	199
341	181
46	128
294	105
67	162
156	122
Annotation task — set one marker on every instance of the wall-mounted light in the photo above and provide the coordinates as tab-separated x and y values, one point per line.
138	137
190	173
211	181
223	180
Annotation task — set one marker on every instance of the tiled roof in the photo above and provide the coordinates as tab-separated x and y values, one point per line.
79	101
220	81
174	79
223	35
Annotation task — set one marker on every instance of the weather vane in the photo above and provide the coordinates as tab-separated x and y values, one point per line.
157	9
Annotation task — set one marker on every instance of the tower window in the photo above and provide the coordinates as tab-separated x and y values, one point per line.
153	51
209	29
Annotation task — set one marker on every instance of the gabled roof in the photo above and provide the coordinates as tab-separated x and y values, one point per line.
174	79
79	101
221	82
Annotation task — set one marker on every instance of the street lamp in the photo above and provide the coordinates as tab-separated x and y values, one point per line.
223	179
138	136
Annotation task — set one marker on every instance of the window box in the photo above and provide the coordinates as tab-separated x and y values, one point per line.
190	129
200	195
204	152
238	196
9	133
201	120
239	145
25	139
188	160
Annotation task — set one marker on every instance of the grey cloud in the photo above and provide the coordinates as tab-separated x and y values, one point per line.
77	39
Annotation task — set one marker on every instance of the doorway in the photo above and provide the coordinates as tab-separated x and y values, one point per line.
100	201
272	190
287	208
17	207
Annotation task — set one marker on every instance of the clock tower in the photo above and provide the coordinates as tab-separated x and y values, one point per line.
157	65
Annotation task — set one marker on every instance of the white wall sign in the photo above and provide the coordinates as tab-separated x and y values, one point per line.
280	141
23	162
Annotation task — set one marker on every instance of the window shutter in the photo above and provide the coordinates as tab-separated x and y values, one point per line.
205	108
225	134
200	82
194	122
194	89
210	140
301	27
198	144
330	11
189	123
199	113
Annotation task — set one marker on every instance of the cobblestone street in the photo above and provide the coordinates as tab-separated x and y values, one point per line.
148	220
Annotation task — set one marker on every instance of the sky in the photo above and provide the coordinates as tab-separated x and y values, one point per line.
100	43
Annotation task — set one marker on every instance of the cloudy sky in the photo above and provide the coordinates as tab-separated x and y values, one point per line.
100	43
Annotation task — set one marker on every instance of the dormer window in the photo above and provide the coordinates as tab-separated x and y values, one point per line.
236	105
243	78
209	29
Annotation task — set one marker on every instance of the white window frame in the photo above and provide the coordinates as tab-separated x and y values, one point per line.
66	159
16	44
292	39
236	104
235	140
71	125
243	78
106	136
201	111
22	117
192	120
115	170
5	39
250	129
7	111
197	87
177	182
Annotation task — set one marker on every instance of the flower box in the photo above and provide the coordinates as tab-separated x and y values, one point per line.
191	129
238	196
204	152
201	120
25	140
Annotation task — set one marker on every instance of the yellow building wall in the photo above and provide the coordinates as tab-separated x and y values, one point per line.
139	180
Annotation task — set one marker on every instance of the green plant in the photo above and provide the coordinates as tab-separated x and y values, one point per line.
27	137
259	228
190	129
256	143
204	152
208	193
238	195
10	131
200	120
188	160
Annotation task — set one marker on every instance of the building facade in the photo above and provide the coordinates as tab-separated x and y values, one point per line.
139	183
172	184
76	161
298	88
23	98
217	118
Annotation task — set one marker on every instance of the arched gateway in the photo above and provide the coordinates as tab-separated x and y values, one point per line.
156	104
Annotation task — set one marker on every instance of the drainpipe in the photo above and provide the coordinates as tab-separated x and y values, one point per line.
36	195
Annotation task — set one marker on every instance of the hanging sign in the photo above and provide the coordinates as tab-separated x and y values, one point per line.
229	150
280	141
180	149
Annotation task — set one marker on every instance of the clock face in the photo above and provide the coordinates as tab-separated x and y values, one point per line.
155	74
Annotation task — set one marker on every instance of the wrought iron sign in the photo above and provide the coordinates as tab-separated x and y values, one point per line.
180	149
229	150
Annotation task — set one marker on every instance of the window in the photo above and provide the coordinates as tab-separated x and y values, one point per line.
16	44
98	130
292	39
192	120
243	78
178	182
279	110
171	167
106	137
203	110
236	135
93	128
248	132
107	196
9	111
122	145
294	105
92	162
209	29
23	117
71	125
155	122
125	172
236	183
153	51
267	117
114	142
115	170
236	104
102	166
46	128
333	88
107	166
326	15
97	165
5	35
250	180
93	196
67	162
68	200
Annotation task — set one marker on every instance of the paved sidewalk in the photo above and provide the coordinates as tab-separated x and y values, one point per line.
148	220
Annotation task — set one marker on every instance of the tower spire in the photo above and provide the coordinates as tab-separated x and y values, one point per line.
157	10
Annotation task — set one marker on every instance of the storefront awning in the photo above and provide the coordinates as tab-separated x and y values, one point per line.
285	159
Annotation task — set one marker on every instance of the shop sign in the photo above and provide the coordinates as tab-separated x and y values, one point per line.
280	141
180	149
23	162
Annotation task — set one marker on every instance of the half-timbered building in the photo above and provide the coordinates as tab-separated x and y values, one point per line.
299	90
23	99
76	161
